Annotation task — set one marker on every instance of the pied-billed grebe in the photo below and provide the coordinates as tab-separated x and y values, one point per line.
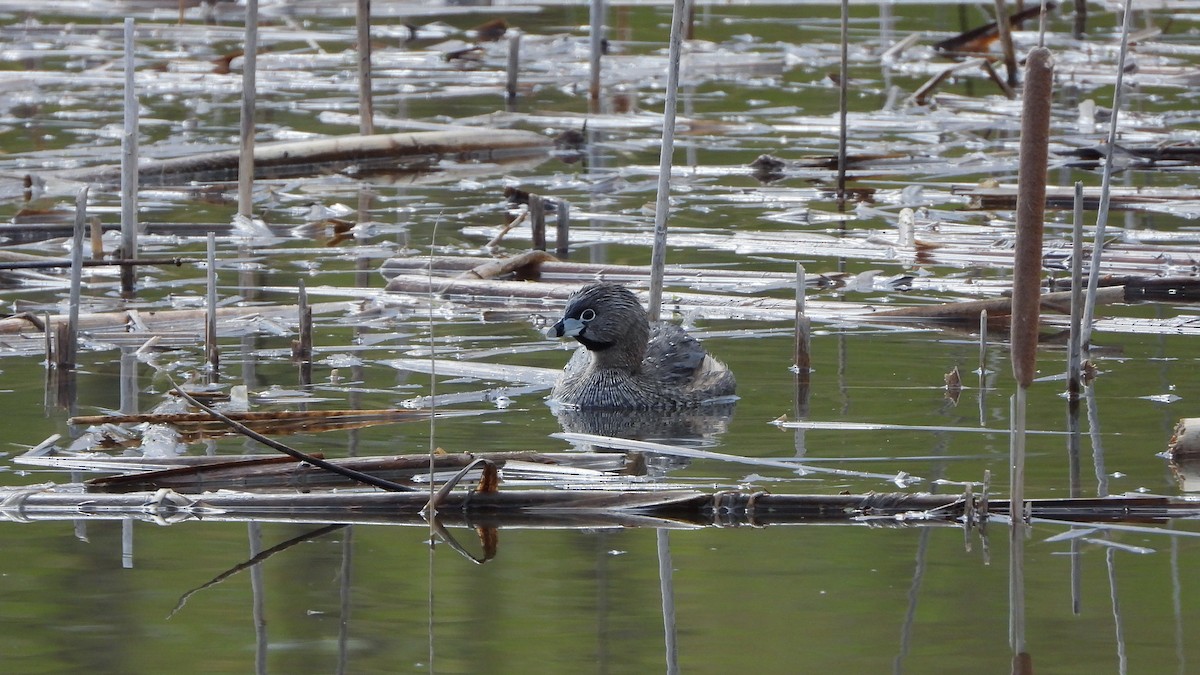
628	363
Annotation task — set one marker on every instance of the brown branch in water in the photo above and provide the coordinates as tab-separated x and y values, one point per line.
922	94
525	264
994	77
292	452
495	241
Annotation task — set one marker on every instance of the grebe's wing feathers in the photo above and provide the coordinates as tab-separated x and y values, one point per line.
672	356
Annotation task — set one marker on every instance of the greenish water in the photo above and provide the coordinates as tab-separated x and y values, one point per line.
846	598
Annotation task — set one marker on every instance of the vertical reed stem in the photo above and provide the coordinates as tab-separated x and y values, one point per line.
562	238
1074	351
514	64
366	100
983	341
129	166
1089	308
69	349
803	354
662	207
597	44
246	160
537	221
127	543
96	235
1080	25
305	349
1005	29
1016	542
211	353
843	102
48	343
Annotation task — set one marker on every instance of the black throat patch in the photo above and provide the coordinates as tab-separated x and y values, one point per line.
593	345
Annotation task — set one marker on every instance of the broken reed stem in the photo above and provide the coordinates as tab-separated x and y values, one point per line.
562	234
537	221
803	354
1031	203
304	348
1080	25
366	101
129	165
1089	307
211	353
69	347
514	64
662	206
983	341
1004	27
843	102
96	233
1074	353
596	34
48	344
246	159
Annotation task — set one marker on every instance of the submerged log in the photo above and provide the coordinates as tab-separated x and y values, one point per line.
380	152
568	508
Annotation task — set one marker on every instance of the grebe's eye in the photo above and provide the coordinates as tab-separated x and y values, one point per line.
587	315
